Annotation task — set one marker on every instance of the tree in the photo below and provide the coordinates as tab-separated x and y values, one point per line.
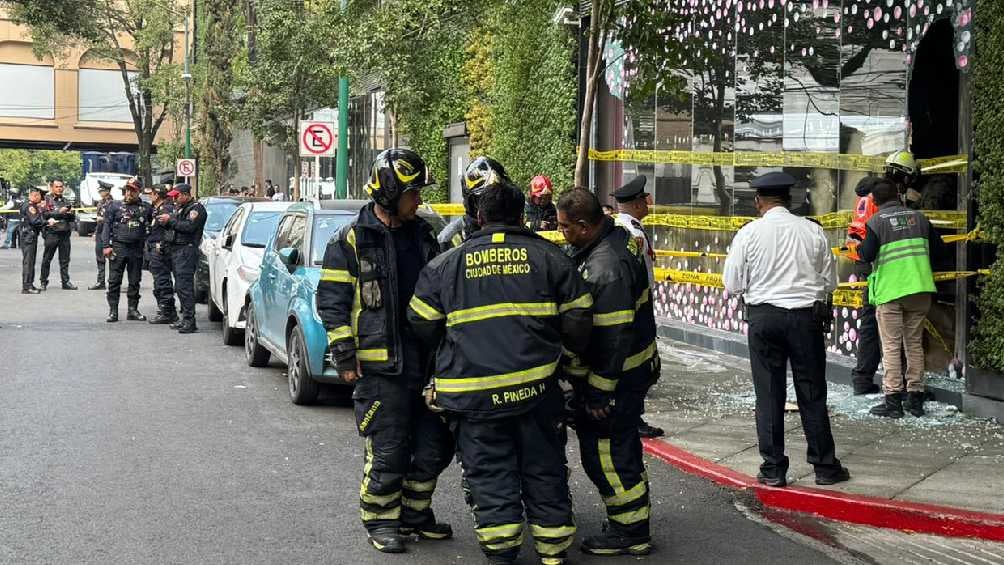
25	168
73	17
601	21
138	37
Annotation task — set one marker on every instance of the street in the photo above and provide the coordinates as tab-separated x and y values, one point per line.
129	443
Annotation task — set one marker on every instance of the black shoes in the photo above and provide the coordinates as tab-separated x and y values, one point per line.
97	286
613	544
386	540
777	482
160	318
134	314
833	478
113	315
862	390
915	404
31	290
891	407
43	285
187	327
69	286
647	430
431	532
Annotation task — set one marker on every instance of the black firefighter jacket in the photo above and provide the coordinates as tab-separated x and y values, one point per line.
622	350
500	307
357	295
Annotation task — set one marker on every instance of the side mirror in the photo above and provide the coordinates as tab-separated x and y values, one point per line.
290	256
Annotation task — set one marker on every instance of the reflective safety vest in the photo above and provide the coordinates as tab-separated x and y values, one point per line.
501	307
903	264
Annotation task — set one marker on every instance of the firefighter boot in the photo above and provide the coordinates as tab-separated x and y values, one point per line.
892	407
387	540
612	543
437	531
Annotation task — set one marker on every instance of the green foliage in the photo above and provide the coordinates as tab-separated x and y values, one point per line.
25	168
988	119
71	17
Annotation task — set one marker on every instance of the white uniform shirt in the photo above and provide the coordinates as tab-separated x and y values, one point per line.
633	226
782	260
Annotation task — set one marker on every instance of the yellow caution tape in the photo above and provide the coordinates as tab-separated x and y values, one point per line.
934	333
689	277
448	209
75	210
848	298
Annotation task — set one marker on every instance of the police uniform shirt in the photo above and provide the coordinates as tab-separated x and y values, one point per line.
634	227
782	260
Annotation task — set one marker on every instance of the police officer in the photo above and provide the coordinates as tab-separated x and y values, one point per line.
457	231
105	191
369	273
30	226
617	370
158	253
123	237
59	216
503	397
184	233
782	267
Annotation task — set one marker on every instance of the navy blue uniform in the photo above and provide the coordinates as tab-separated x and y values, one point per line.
99	248
56	236
184	233
124	232
30	226
158	254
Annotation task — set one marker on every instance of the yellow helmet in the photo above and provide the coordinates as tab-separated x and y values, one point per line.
902	162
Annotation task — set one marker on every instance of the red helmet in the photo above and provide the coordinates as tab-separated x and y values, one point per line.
540	185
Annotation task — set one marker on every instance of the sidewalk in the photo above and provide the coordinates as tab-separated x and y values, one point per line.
705	402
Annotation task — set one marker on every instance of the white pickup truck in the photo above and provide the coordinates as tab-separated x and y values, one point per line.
87	221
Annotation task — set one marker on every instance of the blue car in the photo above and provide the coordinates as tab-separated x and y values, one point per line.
282	319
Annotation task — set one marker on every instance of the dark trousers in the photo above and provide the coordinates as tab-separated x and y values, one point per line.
869	348
612	457
407	447
29	251
101	260
125	258
776	337
159	258
56	241
514	463
184	260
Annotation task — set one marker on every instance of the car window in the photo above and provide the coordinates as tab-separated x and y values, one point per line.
233	224
282	233
325	228
217	214
297	232
258	228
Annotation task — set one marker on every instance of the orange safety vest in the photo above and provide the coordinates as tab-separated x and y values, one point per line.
863	211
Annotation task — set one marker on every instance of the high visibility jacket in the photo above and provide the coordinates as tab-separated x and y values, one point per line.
899	243
500	307
357	295
622	349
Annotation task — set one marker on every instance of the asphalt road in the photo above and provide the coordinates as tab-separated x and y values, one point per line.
129	443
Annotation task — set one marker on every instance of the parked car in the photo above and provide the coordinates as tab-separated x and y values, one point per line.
282	318
235	260
218	211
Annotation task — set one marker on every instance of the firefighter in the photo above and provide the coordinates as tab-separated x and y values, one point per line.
503	401
369	273
617	370
457	231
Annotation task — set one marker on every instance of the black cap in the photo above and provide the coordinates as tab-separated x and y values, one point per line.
162	190
773	184
632	190
183	188
104	186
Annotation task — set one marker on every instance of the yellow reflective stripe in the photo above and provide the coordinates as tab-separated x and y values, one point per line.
622	498
501	531
351	238
478	384
551	532
576	371
420	486
337	276
392	514
419	505
504	544
372	354
631	517
641	299
638	359
380	500
501	310
456	240
424	310
498	238
607	465
546	548
584	301
341	332
613	318
602	383
367	468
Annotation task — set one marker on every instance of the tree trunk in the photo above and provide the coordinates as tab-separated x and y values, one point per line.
597	30
259	173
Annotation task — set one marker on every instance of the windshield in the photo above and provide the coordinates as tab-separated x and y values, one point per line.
217	215
325	228
259	228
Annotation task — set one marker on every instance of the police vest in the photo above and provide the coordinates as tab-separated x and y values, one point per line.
129	223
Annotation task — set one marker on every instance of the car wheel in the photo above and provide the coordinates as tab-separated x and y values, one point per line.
215	315
303	388
257	355
231	335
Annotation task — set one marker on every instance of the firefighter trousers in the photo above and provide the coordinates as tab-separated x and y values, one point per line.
407	447
516	463
612	459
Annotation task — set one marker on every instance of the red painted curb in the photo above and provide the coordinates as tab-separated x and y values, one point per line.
834	505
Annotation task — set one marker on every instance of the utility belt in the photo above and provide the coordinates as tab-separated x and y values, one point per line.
58	228
822	312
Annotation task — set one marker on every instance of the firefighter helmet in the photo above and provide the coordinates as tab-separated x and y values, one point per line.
483	174
394	172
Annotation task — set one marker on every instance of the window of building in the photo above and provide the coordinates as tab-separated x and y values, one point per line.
102	96
34	96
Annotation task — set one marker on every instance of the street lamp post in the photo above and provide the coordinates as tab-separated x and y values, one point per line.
342	165
187	77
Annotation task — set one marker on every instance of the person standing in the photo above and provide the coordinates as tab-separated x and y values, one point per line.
368	277
13	220
158	252
59	216
869	353
123	237
105	191
620	365
30	225
184	234
899	244
540	213
783	269
503	398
